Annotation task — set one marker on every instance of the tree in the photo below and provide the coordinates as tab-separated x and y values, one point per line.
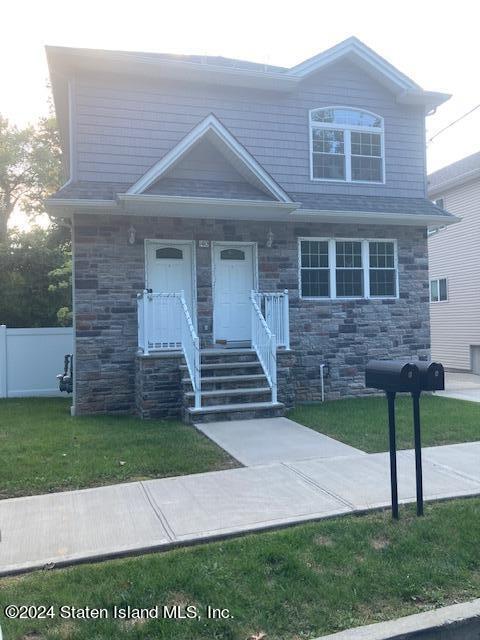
30	167
35	278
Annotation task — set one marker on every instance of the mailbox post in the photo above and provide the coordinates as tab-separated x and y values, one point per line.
392	376
432	378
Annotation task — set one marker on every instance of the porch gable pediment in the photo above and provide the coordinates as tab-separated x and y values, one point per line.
237	167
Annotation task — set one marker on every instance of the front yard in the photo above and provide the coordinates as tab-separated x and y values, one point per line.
293	584
363	422
43	449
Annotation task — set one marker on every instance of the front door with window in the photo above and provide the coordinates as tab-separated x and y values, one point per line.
234	279
169	269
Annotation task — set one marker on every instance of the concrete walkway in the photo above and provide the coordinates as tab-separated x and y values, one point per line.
461	386
254	442
62	528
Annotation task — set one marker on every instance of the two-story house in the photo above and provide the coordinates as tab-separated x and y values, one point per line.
455	266
237	225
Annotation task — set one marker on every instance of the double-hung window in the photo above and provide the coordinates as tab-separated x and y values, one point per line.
347	268
315	268
349	273
438	290
382	270
346	145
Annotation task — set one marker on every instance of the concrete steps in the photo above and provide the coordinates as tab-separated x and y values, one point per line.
233	387
240	411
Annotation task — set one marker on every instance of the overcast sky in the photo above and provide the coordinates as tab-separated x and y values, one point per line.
436	43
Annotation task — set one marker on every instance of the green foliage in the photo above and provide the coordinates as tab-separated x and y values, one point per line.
30	167
35	278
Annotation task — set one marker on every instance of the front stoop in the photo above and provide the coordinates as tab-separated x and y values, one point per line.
233	387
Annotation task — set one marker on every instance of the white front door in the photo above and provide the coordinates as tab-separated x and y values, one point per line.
234	278
169	269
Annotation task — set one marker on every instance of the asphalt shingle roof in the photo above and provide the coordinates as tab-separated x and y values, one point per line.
312	201
454	170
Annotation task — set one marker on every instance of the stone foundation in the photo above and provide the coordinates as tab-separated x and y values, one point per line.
158	388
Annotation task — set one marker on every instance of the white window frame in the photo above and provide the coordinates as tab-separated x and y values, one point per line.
437	280
332	266
347	130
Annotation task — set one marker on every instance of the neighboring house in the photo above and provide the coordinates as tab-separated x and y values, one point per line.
278	212
454	261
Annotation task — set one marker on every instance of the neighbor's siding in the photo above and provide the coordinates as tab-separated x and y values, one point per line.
454	253
124	125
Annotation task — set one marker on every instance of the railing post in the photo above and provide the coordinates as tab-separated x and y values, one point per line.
145	321
286	319
198	394
273	374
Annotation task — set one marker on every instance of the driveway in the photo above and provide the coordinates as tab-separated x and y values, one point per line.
462	386
268	440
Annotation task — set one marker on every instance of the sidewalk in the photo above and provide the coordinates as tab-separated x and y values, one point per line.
63	528
461	386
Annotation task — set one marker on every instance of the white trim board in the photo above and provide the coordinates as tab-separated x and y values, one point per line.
224	140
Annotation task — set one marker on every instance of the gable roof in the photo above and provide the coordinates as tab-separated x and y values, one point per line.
219	70
212	129
454	174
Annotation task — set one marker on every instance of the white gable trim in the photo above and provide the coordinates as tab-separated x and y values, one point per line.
209	124
352	47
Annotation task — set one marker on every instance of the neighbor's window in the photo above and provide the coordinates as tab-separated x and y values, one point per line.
347	145
330	268
438	290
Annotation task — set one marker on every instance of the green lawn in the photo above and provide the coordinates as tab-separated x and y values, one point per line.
293	584
43	449
363	423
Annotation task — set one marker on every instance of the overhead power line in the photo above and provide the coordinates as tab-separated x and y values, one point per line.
454	122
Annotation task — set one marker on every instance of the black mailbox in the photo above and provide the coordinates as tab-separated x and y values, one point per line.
432	376
414	377
392	375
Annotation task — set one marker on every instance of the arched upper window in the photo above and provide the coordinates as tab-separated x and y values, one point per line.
232	254
346	145
169	253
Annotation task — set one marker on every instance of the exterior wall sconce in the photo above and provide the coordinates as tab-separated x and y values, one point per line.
132	232
270	237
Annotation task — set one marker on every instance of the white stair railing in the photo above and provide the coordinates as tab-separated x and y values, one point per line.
165	324
191	349
265	344
276	312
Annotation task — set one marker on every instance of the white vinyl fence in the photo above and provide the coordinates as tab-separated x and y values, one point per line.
30	360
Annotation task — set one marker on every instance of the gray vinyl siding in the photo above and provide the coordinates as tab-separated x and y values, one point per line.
124	125
454	254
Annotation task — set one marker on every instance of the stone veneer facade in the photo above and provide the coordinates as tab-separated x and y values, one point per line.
109	272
